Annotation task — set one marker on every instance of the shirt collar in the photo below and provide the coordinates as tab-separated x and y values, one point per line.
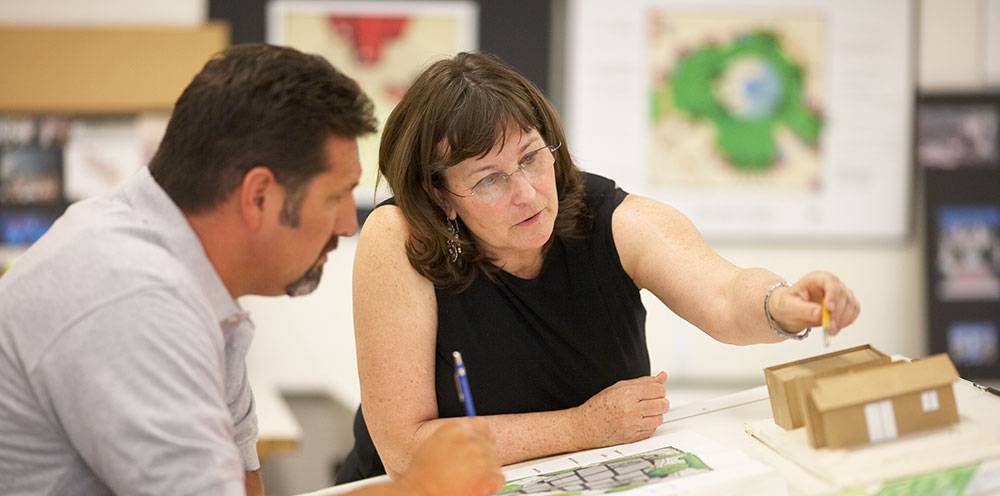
163	216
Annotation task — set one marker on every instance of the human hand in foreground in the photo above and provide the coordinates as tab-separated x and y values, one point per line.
624	412
457	459
798	307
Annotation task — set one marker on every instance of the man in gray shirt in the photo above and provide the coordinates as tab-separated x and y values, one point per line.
122	348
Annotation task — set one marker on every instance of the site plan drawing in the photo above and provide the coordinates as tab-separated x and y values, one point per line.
613	476
666	463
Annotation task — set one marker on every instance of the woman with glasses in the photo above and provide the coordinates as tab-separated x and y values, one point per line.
497	246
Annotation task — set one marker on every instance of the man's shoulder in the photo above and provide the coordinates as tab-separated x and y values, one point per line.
87	260
99	236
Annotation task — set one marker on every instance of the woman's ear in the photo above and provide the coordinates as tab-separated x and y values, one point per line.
441	198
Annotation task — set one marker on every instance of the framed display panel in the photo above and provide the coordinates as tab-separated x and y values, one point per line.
957	146
56	143
758	119
384	46
49	161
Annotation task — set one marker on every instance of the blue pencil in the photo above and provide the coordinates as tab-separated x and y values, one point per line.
462	385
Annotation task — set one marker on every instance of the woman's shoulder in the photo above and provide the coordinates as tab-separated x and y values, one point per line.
381	256
385	224
602	194
598	185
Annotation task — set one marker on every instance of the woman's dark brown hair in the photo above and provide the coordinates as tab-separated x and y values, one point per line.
457	109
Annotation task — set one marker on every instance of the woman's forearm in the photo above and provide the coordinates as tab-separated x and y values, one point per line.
519	437
747	323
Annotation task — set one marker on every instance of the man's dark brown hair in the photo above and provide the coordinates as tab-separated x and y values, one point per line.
256	105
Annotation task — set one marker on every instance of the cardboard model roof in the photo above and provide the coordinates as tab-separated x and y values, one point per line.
825	363
877	383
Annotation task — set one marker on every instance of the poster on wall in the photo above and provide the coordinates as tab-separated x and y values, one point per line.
50	161
31	160
757	119
968	253
973	343
958	134
31	176
102	152
384	46
737	101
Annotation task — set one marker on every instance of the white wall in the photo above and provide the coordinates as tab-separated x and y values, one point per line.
952	44
307	344
103	12
310	344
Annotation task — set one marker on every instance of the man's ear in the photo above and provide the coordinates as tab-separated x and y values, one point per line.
259	195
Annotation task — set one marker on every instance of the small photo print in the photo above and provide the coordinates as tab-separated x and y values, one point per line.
17	130
31	160
25	226
44	130
973	343
30	174
100	154
968	252
950	136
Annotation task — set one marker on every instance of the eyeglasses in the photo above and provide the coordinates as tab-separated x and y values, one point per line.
495	186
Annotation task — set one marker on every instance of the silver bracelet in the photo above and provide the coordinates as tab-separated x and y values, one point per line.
770	319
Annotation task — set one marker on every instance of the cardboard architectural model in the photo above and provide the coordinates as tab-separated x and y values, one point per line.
857	396
881	403
788	383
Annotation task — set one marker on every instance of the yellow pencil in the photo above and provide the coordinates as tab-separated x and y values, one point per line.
826	325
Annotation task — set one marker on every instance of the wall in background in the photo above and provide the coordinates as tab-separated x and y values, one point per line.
104	13
309	344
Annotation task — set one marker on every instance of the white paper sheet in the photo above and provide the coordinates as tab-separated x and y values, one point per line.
681	462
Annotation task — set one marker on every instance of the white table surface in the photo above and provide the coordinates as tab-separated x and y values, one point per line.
723	420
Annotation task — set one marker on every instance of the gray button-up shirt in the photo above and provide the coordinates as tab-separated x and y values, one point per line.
122	357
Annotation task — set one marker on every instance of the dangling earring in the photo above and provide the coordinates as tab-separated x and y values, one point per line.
454	248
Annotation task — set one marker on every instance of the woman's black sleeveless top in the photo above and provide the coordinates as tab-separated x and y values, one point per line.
547	343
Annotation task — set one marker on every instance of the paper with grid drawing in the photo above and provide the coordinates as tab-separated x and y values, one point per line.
681	461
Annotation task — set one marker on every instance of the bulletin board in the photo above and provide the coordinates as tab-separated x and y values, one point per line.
758	119
78	124
958	152
383	46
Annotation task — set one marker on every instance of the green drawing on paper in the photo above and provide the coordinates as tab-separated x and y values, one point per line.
745	89
950	482
612	476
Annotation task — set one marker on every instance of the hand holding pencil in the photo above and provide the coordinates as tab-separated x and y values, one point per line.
458	458
817	299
